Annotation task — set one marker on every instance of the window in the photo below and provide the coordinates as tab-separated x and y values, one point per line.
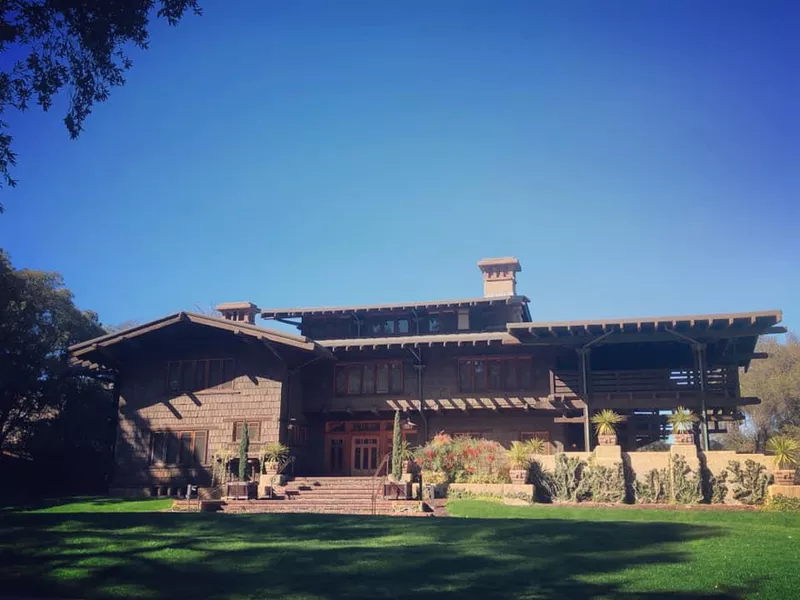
192	375
185	448
388	327
253	430
382	377
495	374
434	325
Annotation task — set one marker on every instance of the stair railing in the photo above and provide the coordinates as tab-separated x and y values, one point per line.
375	475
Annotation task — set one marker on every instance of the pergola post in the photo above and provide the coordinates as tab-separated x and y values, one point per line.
701	362
583	355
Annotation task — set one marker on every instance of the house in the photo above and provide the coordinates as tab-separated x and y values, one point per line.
186	384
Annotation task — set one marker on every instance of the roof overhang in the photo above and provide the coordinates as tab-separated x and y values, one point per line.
739	330
699	327
286	313
415	341
96	351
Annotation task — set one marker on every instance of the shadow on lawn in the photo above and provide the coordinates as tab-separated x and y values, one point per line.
159	555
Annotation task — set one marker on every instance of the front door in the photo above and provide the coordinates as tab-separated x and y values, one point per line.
336	452
365	455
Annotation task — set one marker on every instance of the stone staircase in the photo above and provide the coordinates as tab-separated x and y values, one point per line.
328	495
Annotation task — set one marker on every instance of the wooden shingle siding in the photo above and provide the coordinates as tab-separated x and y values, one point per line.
146	406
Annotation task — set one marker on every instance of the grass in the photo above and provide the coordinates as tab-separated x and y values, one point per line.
83	550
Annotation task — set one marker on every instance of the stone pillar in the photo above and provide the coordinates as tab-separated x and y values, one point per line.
689	452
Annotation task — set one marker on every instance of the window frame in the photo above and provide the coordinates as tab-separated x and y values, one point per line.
377	326
250	424
468	362
351	367
227	366
176	436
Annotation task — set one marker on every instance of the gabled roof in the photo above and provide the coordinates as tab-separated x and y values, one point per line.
81	350
284	313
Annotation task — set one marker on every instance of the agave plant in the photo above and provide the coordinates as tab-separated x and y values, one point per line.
406	451
786	450
682	420
606	421
536	445
519	456
274	452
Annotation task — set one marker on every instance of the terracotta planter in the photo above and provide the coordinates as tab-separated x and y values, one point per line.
785	476
518	475
271	468
684	439
607	440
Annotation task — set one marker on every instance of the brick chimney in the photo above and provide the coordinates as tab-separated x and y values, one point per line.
499	276
244	312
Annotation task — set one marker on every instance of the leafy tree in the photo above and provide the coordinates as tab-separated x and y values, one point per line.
78	44
38	322
776	380
397	447
244	446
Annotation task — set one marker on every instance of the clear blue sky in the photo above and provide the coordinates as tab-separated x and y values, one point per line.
639	158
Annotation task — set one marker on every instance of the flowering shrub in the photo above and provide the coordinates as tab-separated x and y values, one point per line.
465	460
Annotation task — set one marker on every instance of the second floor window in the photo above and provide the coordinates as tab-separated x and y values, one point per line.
193	375
383	327
253	430
384	377
494	374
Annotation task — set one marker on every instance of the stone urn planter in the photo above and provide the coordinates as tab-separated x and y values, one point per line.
518	475
684	439
607	439
785	476
271	468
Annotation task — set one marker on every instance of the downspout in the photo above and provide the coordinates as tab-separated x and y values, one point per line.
699	351
419	367
583	352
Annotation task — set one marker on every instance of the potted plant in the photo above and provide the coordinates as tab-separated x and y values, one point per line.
519	459
536	446
682	421
786	451
406	455
605	426
272	455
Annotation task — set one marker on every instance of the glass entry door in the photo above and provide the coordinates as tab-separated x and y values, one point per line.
335	459
365	455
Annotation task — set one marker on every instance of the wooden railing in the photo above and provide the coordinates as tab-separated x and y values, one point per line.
384	463
567	383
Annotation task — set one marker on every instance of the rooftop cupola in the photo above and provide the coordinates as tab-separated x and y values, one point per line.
244	312
499	276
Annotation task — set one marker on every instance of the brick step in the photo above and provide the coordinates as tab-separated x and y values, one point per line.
331	484
286	507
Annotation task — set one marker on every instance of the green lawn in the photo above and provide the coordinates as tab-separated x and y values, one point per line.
82	550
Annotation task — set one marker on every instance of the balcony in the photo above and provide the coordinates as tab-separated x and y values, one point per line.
648	383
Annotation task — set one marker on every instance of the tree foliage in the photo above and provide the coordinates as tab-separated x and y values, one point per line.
48	413
48	45
776	380
244	446
397	443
